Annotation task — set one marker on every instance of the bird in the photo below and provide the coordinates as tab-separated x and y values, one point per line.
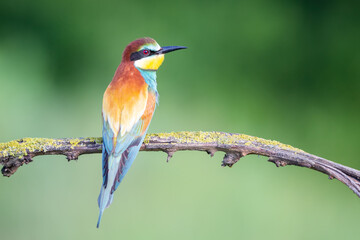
127	109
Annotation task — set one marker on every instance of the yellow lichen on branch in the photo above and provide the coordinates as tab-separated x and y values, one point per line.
218	137
23	146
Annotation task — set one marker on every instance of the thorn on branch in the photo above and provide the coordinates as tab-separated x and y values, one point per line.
72	155
169	155
231	158
277	161
211	152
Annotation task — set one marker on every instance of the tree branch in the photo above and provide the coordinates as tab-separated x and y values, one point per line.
15	153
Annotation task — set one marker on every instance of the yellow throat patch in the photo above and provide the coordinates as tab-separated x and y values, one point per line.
150	63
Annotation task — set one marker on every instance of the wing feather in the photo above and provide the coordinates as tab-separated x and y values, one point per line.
123	108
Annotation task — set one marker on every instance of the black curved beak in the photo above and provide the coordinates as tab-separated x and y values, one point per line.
168	49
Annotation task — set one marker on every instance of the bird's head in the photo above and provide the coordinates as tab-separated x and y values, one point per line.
146	53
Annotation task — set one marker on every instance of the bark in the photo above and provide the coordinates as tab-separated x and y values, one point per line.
15	153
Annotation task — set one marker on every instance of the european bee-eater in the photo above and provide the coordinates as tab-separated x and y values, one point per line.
128	106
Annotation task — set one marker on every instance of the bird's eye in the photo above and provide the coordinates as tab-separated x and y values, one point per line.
146	52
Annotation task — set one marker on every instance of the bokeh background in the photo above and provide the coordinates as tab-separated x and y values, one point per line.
283	70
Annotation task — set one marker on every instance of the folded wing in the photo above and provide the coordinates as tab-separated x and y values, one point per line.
123	134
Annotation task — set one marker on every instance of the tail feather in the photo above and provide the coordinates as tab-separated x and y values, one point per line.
106	194
116	168
104	201
100	215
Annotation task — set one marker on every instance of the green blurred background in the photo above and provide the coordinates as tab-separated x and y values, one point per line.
284	70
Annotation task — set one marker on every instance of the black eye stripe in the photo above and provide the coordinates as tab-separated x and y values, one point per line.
135	56
139	55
